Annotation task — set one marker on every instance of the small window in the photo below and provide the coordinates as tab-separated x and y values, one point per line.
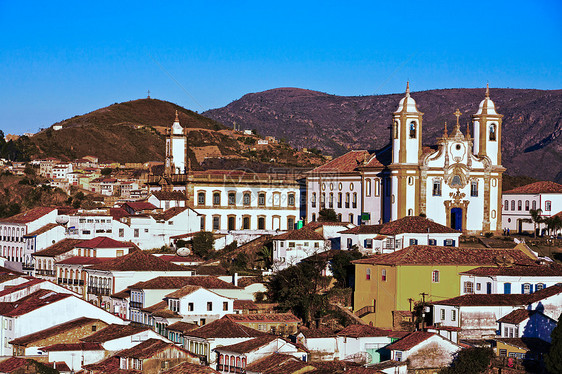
474	188
413	241
261	223
291	199
354	205
313	200
478	286
506	205
442	314
493	132
540	286
526	288
201	198
290	223
437	188
410	212
383	275
216	222
527	206
190	307
261	199
232	198
519	205
435	276
368	243
136	233
512	204
247	198
225	305
548	205
246	223
368	187
368	274
453	315
216	198
432	241
468	287
209	306
534	205
412	130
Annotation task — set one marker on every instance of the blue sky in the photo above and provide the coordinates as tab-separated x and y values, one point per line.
64	58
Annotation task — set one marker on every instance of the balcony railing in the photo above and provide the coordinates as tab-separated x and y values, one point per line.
231	369
98	291
365	310
135	304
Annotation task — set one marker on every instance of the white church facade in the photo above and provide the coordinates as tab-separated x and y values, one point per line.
458	184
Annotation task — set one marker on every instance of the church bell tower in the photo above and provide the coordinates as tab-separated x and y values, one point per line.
487	130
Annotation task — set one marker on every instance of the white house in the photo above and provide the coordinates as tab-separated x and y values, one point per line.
321	343
362	342
40	239
75	355
166	200
518	202
116	337
399	234
524	323
511	279
292	247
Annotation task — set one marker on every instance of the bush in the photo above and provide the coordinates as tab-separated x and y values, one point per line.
203	243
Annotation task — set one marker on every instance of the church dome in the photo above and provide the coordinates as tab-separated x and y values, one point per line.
407	102
487	106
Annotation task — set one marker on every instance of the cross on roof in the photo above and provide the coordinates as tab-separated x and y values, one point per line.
458	114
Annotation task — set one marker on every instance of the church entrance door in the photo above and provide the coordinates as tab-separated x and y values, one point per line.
456	218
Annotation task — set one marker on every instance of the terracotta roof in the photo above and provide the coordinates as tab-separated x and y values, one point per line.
61	366
247	281
89	346
353	160
433	255
318	224
501	299
169	213
29	216
160	309
169	195
182	327
44	229
59	248
30	303
13	363
290	366
138	261
268	362
184	291
164	283
140	205
244	304
125	294
224	328
104	242
118	213
53	331
189	368
532	344
114	331
30	282
248	345
537	187
302	234
408	224
517	316
550	269
361	331
410	341
149	348
109	365
176	258
263	317
82	260
321	332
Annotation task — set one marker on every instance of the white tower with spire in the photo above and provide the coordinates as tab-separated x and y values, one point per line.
176	144
487	130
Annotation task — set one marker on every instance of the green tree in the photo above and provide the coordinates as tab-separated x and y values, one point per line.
297	288
342	268
106	171
327	215
266	256
537	219
203	242
470	361
553	358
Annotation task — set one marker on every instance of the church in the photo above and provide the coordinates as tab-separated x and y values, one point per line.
458	184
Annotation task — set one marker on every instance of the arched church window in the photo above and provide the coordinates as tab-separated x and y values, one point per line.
493	132
512	204
413	129
456	181
534	205
436	188
313	200
410	212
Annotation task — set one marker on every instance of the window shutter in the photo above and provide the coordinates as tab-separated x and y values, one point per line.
531	288
522	289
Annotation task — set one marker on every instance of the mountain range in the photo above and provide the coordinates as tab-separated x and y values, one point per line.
531	129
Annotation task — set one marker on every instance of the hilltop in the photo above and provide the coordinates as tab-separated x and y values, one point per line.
135	131
532	122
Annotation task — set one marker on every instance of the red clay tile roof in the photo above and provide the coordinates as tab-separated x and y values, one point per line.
30	282
224	328
248	345
169	195
247	281
53	331
263	317
170	213
363	229
531	344
104	242
302	234
149	348
289	366
409	224
271	361
410	341
184	291
140	205
109	365
182	327
537	187
81	260
89	346
59	248
435	255
189	368
318	224
501	299
164	283
138	261
13	363
176	258
30	303
29	216
118	213
517	316
353	160
44	229
550	269
114	331
244	304
125	294
361	331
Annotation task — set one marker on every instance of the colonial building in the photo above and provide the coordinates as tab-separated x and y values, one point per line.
457	184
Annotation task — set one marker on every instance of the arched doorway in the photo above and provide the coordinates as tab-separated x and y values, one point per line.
456	218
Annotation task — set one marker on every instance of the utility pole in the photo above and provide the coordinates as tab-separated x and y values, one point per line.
423	295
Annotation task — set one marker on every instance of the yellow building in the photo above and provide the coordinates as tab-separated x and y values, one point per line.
394	282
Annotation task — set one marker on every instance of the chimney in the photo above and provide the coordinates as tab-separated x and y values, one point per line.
235	279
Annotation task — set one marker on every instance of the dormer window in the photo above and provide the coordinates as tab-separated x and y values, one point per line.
412	130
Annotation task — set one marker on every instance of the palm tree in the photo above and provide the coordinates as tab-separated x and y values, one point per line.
537	219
